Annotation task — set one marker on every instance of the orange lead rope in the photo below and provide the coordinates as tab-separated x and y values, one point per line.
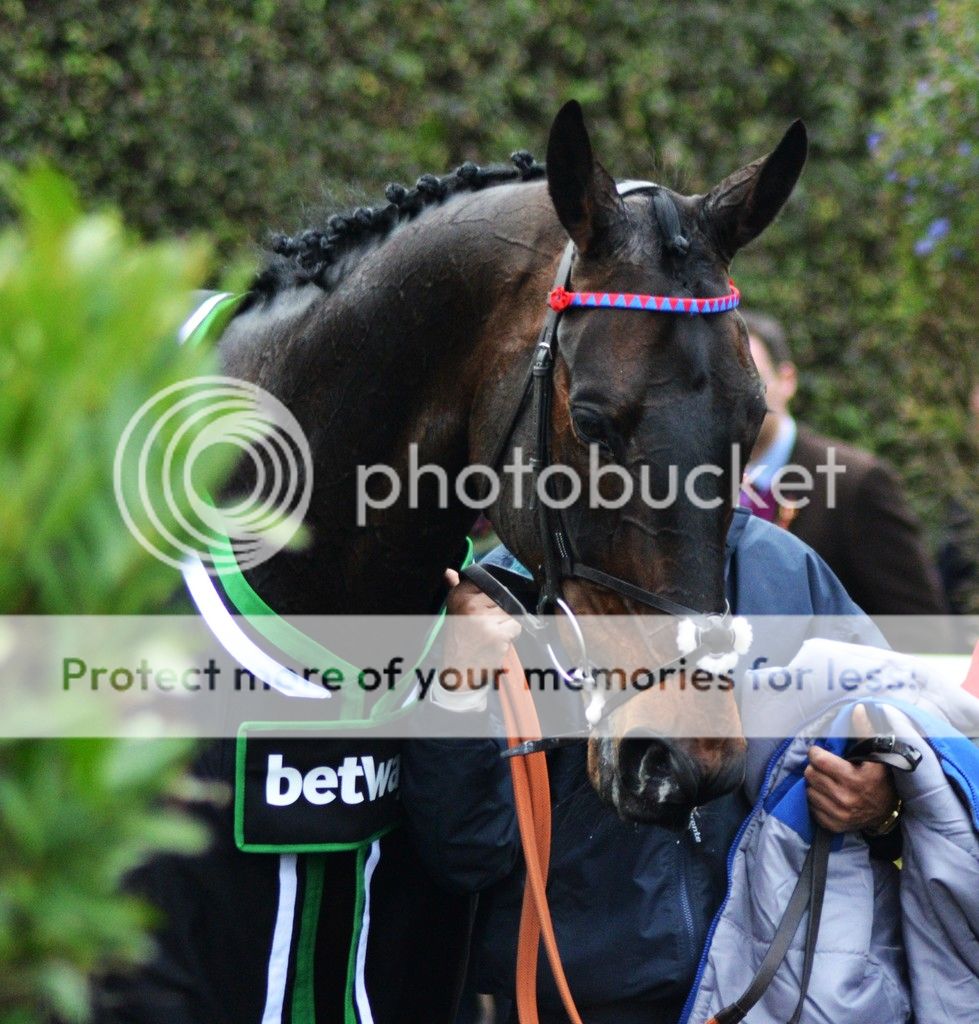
532	797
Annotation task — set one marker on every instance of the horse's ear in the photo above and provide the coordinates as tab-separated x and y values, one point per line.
746	202
584	194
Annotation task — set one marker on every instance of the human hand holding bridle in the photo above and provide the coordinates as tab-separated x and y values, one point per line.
489	631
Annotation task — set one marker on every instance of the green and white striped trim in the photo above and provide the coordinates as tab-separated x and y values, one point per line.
285	943
209	319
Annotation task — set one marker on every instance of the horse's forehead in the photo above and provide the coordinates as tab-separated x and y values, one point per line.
635	351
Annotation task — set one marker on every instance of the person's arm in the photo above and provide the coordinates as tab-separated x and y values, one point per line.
456	792
460	810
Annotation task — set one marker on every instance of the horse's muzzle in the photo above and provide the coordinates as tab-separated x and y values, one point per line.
660	781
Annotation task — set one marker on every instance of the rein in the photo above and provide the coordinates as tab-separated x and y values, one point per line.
532	801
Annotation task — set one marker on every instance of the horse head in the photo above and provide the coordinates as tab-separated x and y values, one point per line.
664	400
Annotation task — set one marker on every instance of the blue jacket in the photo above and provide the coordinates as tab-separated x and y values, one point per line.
631	903
891	943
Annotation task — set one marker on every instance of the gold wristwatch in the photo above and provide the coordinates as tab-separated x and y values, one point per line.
887	826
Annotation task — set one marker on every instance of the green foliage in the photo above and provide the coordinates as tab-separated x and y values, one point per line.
87	317
238	118
927	147
87	324
234	116
75	816
928	143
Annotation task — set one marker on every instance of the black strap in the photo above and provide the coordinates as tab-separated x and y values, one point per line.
547	332
629	590
886	749
553	548
545	743
496	590
819	851
812	877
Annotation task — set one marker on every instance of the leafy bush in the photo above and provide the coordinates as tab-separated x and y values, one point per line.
927	148
239	118
87	317
75	816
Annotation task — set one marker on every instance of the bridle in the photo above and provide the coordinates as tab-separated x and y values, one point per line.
716	637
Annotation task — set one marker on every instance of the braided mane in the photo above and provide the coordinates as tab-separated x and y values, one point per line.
323	255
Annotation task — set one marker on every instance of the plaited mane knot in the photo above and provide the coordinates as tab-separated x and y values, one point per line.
467	173
669	223
523	161
430	185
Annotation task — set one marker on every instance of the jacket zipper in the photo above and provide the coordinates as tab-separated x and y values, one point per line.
684	893
701	967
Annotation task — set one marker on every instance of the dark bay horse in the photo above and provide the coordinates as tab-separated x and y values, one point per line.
415	322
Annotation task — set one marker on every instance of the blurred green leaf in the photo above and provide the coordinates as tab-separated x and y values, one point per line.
88	316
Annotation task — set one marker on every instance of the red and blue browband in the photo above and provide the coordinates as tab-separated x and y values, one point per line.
560	298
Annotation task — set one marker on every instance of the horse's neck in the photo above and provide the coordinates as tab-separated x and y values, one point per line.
394	357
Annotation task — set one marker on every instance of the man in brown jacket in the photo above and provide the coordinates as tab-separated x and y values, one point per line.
843	502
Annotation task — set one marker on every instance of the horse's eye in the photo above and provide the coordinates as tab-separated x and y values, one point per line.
591	427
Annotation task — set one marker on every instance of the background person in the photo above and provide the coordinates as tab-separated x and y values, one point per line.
869	537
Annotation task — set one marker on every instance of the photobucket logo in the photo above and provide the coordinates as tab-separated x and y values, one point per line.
607	486
181	434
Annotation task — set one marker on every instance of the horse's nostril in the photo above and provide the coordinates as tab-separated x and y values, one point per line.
656	760
655	769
